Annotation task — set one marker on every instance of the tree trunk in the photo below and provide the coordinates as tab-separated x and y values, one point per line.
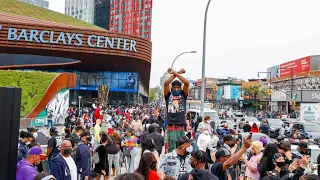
103	93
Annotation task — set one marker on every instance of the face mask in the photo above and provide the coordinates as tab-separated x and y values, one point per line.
232	145
89	139
35	135
28	142
280	164
100	107
176	92
67	151
206	132
189	149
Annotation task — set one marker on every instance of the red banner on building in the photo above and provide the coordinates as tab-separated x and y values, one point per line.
298	66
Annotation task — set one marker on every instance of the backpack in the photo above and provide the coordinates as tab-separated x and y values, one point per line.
95	157
75	148
58	142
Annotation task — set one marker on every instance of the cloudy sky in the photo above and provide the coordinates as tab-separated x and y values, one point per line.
243	37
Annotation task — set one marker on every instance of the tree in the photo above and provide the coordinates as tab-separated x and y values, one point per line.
255	92
153	94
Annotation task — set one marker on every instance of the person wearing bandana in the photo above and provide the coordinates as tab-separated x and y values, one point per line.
175	98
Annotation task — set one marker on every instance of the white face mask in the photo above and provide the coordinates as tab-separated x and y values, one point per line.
206	132
189	149
100	107
28	142
35	135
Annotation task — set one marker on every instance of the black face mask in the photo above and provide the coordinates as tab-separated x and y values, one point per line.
89	139
232	145
281	164
67	151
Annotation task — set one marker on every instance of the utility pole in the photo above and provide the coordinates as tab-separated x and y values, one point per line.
203	74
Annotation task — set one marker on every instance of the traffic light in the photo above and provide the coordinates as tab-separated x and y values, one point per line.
269	91
294	103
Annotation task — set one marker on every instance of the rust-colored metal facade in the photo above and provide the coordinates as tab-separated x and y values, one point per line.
87	57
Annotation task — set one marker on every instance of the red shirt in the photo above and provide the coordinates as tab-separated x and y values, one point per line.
255	130
86	117
152	176
97	115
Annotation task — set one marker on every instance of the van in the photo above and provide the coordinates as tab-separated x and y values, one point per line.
207	112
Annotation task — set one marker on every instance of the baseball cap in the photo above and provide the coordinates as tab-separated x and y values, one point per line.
303	145
264	140
85	133
184	139
36	151
48	177
54	129
228	138
32	129
222	152
276	156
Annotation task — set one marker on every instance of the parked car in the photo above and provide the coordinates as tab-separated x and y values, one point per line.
309	129
275	125
256	137
251	120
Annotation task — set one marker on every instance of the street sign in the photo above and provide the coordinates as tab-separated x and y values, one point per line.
241	103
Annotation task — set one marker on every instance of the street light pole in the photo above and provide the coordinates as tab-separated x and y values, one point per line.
180	55
79	104
204	58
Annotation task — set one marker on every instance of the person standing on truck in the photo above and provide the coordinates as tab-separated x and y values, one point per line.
175	98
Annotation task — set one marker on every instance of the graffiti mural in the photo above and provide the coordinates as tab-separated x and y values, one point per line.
58	106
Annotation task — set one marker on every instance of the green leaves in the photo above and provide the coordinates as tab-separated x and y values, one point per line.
33	84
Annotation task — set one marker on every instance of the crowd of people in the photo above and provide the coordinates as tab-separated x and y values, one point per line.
98	142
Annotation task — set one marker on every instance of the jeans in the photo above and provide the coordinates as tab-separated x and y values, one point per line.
114	159
49	123
131	159
49	163
173	136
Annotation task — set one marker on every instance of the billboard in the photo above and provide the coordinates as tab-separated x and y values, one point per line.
235	92
275	72
298	66
117	81
228	92
309	111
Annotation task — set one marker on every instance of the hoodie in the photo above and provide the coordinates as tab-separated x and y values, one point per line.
25	171
59	168
82	159
198	174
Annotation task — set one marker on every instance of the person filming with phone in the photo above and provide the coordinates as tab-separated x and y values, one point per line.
295	170
224	160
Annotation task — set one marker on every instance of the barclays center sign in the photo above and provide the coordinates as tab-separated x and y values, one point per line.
71	39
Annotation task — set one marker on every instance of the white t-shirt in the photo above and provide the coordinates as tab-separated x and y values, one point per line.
72	167
203	141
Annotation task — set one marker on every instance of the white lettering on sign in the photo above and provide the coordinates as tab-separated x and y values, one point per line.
75	39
